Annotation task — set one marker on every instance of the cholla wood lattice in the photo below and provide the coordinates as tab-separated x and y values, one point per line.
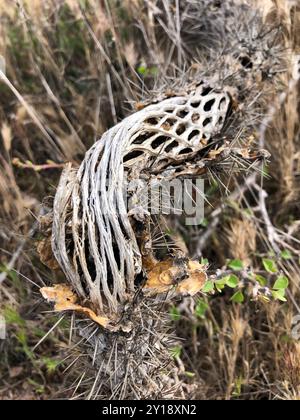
207	122
105	257
204	122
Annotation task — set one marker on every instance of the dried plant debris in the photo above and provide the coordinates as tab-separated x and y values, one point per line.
44	249
190	130
184	277
65	300
93	238
205	122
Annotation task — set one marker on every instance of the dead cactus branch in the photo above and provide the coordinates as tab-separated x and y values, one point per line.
205	123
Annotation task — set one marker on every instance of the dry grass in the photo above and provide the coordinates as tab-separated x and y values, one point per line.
74	69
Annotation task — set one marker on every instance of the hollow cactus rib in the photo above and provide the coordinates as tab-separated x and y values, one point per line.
105	257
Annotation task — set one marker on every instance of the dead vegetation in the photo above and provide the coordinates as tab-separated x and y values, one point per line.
74	70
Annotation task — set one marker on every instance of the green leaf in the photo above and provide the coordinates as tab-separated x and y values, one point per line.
175	314
204	261
236	265
270	266
142	70
176	351
279	295
40	389
238	387
265	171
201	308
232	281
238	297
261	280
286	255
189	374
204	222
208	287
220	284
50	364
281	283
153	70
12	317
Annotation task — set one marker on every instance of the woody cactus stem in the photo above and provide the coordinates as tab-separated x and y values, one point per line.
149	142
206	123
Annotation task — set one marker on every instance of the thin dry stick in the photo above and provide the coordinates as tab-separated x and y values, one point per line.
31	112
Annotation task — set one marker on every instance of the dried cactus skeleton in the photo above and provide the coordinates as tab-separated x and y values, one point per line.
154	139
105	251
